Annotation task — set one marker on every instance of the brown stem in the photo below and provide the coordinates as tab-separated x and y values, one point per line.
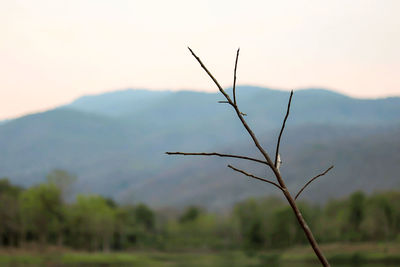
311	180
283	127
234	77
212	77
306	229
255	177
278	176
236	109
216	154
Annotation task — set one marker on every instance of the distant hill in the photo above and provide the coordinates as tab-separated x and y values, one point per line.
118	103
364	159
115	143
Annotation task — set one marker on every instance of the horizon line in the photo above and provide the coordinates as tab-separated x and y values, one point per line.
52	107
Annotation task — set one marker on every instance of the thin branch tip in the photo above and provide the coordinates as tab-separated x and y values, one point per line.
234	77
283	127
211	76
281	184
217	154
311	180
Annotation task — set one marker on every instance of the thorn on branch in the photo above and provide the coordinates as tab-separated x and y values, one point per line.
255	177
278	162
311	180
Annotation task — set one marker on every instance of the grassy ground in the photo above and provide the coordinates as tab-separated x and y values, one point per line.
356	254
365	254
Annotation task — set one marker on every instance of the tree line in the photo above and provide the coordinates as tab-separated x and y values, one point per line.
41	215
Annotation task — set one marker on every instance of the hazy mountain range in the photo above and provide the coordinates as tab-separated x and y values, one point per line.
115	143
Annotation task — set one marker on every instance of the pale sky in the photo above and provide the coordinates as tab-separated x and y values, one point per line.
53	51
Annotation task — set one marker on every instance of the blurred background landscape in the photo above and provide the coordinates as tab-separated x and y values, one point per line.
93	176
93	93
115	144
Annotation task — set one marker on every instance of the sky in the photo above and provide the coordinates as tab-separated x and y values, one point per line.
54	51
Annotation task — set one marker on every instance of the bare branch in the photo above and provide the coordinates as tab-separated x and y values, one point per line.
223	102
234	77
255	177
271	164
212	77
283	127
217	154
312	179
246	126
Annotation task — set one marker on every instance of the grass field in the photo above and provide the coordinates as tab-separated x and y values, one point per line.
364	254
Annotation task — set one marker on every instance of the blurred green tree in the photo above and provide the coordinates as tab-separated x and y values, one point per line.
190	214
144	217
356	214
92	222
249	217
41	211
10	223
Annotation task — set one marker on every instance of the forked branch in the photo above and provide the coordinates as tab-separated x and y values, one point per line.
240	115
255	177
273	165
217	154
311	180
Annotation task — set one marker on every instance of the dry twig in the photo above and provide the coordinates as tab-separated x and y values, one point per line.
234	77
216	154
311	180
255	177
283	127
281	184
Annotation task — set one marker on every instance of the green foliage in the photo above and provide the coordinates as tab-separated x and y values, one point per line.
9	216
92	222
39	214
356	210
144	217
41	211
203	232
137	226
190	214
382	216
250	222
8	189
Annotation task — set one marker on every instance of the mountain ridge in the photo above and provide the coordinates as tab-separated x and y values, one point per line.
115	142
